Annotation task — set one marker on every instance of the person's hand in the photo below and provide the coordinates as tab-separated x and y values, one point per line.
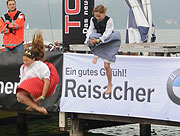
7	24
37	100
11	30
85	42
93	41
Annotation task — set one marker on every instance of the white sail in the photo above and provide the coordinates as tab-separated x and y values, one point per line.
27	26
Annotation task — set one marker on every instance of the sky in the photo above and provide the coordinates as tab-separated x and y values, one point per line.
165	12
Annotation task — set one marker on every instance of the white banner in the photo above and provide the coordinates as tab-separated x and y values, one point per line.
143	86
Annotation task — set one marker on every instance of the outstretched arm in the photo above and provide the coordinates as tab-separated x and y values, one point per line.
45	89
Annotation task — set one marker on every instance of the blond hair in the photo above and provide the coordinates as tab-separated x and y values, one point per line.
100	9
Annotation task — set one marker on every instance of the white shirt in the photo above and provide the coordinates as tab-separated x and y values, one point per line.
37	69
108	31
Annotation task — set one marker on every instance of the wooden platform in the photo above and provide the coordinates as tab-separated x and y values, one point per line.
80	122
140	47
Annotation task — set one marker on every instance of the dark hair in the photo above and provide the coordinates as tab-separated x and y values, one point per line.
100	9
10	0
37	46
30	53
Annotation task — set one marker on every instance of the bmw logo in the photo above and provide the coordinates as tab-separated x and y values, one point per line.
173	86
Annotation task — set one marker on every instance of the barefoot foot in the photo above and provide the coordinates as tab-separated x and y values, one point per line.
94	61
29	109
108	90
42	110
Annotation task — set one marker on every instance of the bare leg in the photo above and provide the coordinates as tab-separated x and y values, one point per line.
30	108
95	59
109	77
25	98
42	110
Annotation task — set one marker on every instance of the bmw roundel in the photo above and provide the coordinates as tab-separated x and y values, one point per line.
173	86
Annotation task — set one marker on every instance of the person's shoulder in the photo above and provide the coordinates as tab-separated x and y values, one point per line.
20	13
41	63
110	19
22	67
92	18
38	62
3	15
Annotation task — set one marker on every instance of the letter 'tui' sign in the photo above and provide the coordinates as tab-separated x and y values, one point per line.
76	19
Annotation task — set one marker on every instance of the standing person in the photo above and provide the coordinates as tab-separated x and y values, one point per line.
103	41
12	26
38	80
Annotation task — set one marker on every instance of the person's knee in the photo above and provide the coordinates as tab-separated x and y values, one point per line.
106	66
19	97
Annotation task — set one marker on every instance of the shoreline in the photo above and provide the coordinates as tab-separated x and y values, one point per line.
163	35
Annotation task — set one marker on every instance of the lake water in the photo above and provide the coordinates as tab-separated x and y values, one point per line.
49	127
163	35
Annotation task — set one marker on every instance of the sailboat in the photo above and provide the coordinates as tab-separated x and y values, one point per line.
27	26
27	39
